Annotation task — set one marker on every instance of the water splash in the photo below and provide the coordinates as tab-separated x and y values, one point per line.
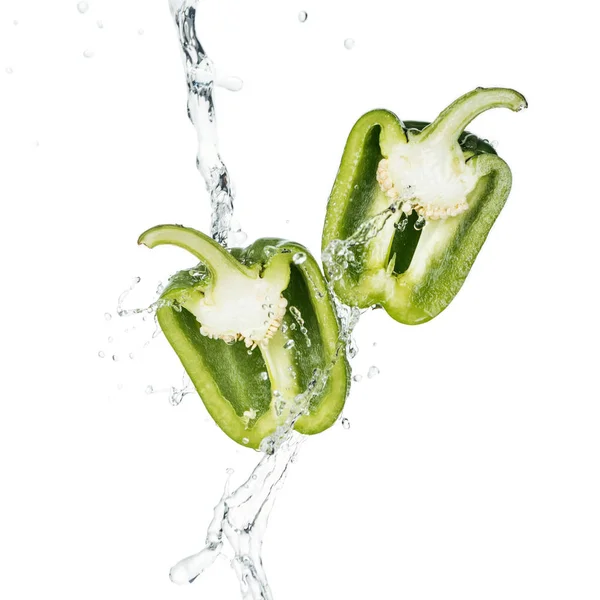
240	521
240	518
201	75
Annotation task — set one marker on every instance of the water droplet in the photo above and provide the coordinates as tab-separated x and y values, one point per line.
101	354
131	356
302	16
345	423
176	396
245	441
494	143
349	43
299	258
420	223
111	339
82	7
264	376
140	31
374	344
88	53
289	345
100	24
231	83
15	22
9	70
107	316
373	372
115	357
357	378
119	386
239	237
229	471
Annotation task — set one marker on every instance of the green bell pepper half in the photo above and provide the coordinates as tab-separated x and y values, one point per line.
254	329
440	190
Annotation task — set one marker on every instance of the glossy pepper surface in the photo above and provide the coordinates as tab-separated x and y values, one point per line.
255	329
439	191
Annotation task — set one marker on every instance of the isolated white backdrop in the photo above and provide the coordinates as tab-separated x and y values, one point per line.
471	466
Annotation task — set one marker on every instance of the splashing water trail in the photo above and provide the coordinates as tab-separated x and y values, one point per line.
201	79
240	517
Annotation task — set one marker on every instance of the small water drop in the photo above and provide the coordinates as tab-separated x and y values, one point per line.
264	376
420	223
140	31
9	71
101	354
373	372
299	258
302	16
119	386
239	237
111	339
149	390
357	378
83	7
107	316
115	357
176	396
131	356
229	471
289	345
345	423
349	43
245	441
88	53
100	24
494	143
15	22
231	83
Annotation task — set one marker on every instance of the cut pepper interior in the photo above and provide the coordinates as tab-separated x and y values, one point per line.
252	332
442	189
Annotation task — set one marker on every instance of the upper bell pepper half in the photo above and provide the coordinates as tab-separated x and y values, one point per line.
441	189
255	329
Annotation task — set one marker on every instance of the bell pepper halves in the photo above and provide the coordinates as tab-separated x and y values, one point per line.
252	329
440	189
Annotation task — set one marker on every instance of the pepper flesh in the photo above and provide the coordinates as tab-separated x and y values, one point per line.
253	329
434	174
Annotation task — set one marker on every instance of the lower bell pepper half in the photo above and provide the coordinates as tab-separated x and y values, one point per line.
257	333
428	194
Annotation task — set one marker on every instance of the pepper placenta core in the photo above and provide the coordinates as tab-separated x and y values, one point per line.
439	190
256	331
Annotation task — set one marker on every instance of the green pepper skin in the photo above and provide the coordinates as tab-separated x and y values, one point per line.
232	380
415	274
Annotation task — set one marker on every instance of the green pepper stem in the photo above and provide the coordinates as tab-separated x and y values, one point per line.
453	120
205	249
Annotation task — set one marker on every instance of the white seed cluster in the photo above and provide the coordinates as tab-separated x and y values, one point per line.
253	338
428	210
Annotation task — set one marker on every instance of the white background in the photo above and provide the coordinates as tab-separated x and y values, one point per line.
470	470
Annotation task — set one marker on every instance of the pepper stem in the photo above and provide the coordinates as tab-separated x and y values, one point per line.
453	120
205	249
